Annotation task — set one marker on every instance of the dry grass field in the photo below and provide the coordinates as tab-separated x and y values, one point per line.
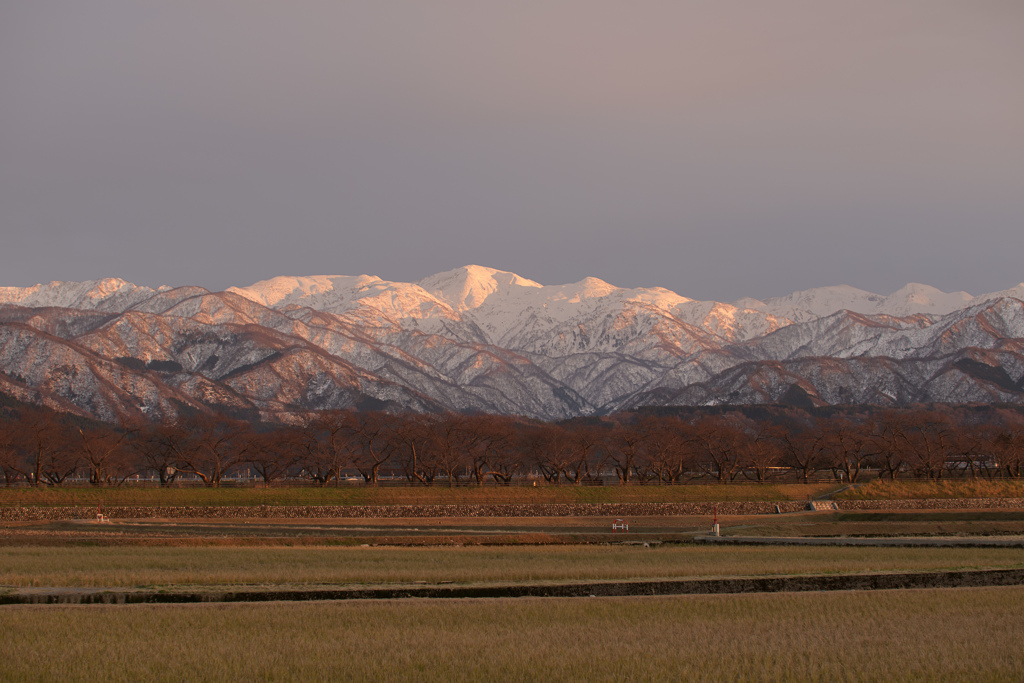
401	495
188	567
132	495
881	524
968	634
879	489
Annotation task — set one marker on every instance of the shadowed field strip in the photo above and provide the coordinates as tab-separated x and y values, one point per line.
774	584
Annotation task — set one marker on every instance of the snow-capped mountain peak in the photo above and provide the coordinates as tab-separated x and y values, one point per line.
469	287
917	298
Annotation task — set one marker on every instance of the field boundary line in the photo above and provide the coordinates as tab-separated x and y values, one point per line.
883	541
768	584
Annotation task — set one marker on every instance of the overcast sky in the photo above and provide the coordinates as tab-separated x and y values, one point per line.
717	148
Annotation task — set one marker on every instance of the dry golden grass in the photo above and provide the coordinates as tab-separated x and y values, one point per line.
880	528
145	566
961	634
879	489
397	495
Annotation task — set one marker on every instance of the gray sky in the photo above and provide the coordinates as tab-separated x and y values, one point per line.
717	148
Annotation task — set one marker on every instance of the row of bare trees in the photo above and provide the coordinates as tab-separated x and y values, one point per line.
45	448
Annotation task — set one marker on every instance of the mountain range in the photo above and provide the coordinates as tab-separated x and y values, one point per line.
480	339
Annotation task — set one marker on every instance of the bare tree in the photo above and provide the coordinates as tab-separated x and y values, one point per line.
547	446
41	439
489	439
412	439
669	447
215	446
721	445
1006	445
275	452
803	450
9	455
454	441
158	447
585	450
930	443
626	448
326	447
505	461
372	443
106	453
846	446
761	452
888	442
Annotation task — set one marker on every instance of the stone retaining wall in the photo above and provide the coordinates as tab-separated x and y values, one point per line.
24	514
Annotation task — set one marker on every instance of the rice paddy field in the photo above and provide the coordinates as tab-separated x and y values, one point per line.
163	567
931	635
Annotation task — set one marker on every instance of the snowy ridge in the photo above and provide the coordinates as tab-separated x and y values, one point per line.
824	301
106	294
500	302
481	339
1012	293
